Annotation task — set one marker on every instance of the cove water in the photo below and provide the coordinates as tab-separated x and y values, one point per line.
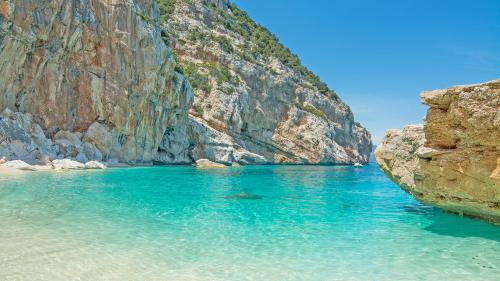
179	223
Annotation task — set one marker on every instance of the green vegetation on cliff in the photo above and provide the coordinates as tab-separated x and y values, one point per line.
265	44
260	45
167	8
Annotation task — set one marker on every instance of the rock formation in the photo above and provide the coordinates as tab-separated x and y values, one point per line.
207	164
254	102
98	69
453	160
94	80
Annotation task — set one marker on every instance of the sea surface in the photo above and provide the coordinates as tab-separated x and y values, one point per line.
179	223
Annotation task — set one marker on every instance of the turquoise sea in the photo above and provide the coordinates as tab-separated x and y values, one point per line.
179	223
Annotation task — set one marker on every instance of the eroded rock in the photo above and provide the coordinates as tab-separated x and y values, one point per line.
452	161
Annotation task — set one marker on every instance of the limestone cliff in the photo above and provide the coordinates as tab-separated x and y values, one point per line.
97	68
94	80
254	102
453	160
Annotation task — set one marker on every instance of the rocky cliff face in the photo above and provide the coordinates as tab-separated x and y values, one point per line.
94	80
97	68
254	102
453	160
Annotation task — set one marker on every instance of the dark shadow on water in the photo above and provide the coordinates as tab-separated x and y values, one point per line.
447	224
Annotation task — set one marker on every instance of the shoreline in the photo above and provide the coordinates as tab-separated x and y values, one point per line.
7	171
11	171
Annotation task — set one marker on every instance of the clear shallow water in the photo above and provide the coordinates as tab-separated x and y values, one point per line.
175	223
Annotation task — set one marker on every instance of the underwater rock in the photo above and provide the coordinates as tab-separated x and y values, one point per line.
244	195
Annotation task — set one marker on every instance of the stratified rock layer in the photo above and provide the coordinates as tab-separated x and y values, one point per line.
98	68
453	161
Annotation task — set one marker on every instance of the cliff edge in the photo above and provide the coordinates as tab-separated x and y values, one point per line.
453	160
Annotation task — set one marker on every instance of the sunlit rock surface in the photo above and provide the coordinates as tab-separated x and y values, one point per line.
453	160
98	69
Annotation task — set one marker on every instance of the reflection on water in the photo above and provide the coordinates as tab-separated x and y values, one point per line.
175	223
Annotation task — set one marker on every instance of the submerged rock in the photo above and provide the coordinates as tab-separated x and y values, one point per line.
453	160
244	195
207	164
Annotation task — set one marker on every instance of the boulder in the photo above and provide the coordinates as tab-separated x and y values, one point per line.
67	148
20	165
67	164
100	136
91	152
94	165
207	164
82	158
73	138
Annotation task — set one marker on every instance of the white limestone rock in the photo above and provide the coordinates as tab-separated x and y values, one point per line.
67	164
18	164
207	164
94	165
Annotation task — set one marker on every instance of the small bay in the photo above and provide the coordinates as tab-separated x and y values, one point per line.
248	223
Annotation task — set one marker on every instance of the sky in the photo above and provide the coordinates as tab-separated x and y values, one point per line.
380	55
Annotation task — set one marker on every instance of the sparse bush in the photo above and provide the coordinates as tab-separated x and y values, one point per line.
313	110
167	8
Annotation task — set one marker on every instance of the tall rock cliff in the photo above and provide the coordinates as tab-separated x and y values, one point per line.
453	160
254	102
99	70
94	80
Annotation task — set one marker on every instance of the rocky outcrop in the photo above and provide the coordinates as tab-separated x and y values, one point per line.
253	105
99	70
453	160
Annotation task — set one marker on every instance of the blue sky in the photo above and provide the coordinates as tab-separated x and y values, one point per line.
379	55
